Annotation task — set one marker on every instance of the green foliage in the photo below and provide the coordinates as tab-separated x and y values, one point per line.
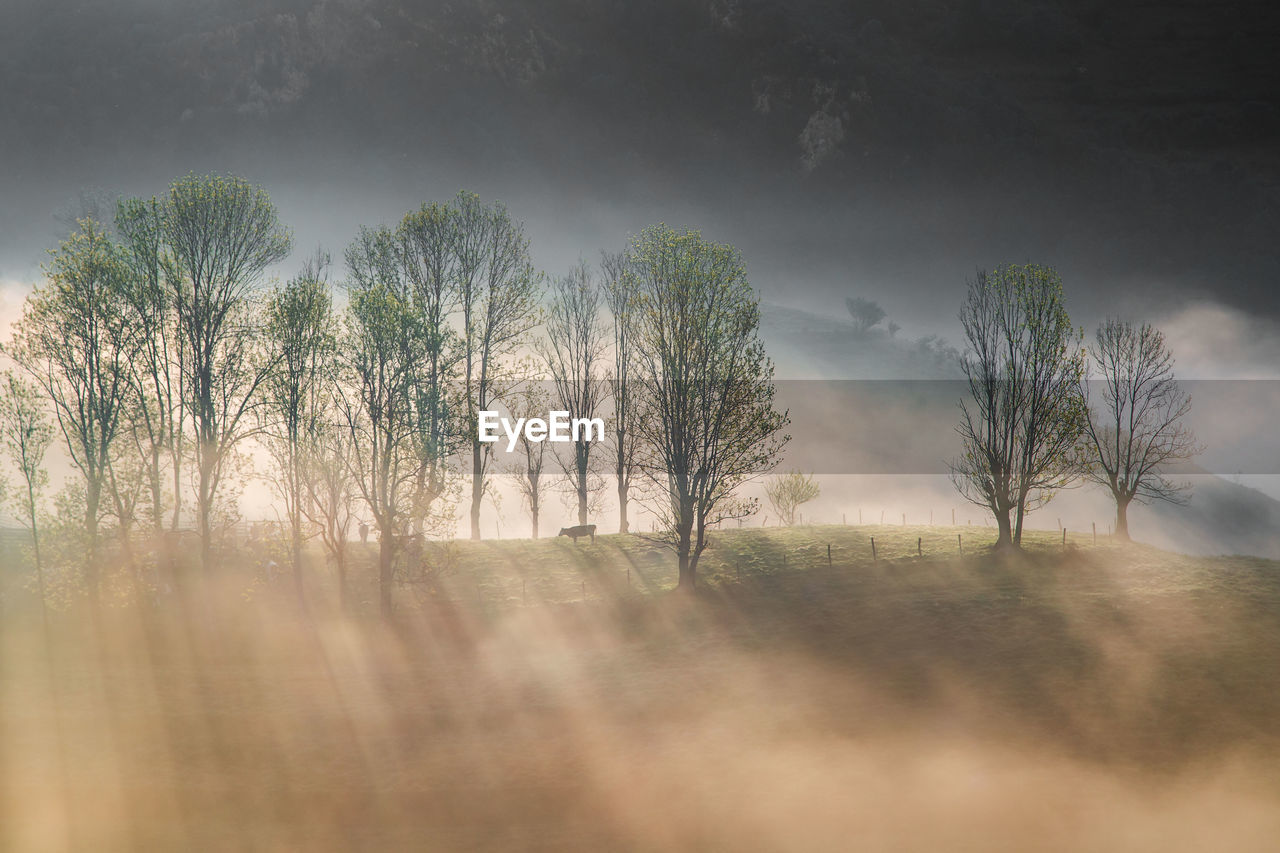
1023	421
75	339
223	233
26	434
707	380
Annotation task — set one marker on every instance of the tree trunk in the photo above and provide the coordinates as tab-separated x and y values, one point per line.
340	558
477	488
623	526
533	514
206	537
204	509
177	491
93	496
582	492
157	495
386	546
35	544
686	571
1005	539
1122	518
684	530
296	553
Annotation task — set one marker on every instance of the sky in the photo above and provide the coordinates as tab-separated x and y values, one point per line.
885	149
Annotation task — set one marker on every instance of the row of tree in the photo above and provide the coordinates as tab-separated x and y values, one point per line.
161	356
1032	425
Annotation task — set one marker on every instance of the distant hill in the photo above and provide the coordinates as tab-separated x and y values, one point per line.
1222	518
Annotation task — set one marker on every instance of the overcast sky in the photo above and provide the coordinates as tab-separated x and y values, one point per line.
880	148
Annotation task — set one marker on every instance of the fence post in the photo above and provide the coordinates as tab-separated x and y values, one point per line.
828	553
873	549
960	543
1064	537
1095	533
919	546
904	519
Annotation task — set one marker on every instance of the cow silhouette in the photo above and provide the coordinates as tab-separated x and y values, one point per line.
581	530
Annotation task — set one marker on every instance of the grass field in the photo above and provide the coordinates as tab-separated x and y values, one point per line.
1079	698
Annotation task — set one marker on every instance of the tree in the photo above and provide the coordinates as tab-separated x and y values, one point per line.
223	233
574	350
708	380
330	493
530	401
75	340
787	492
381	356
157	411
1138	429
301	337
620	294
1021	427
26	434
865	313
498	292
426	245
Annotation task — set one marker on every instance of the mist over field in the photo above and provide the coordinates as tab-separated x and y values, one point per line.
938	350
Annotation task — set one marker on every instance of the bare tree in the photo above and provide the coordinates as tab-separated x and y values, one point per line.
157	412
223	233
709	382
1023	422
574	351
530	401
330	493
427	254
787	492
1137	431
382	352
620	294
302	338
75	340
498	293
26	433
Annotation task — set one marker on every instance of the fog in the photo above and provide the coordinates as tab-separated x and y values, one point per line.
873	148
1064	704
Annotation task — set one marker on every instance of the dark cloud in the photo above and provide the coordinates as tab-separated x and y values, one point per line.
884	147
